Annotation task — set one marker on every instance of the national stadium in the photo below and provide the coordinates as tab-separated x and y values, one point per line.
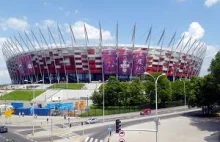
33	58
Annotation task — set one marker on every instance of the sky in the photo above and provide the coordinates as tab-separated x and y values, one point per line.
198	19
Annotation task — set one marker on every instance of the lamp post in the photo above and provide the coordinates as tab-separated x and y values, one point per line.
155	80
33	91
184	90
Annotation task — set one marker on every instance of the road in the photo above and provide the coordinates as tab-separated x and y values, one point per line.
100	133
10	135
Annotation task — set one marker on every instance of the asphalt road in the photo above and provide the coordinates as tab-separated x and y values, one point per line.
10	135
102	132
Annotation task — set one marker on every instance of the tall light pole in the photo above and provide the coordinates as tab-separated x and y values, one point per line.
155	80
33	91
184	90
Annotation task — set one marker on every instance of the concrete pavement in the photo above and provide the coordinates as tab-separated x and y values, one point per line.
178	129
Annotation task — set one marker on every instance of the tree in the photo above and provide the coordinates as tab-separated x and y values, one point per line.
137	93
163	89
177	90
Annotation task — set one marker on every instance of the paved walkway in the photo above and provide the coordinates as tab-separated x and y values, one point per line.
178	129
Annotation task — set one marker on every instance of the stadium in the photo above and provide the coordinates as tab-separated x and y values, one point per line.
33	58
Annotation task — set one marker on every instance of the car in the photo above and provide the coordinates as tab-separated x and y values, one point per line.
92	121
3	129
145	111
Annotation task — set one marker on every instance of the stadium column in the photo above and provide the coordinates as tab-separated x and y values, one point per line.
48	73
64	64
193	61
185	56
133	48
86	46
148	46
180	56
30	58
116	47
172	42
54	60
14	52
74	40
161	47
33	46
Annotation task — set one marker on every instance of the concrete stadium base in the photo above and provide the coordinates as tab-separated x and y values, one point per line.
178	129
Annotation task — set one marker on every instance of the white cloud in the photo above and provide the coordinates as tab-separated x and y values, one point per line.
14	23
93	32
5	79
45	23
210	54
210	3
195	31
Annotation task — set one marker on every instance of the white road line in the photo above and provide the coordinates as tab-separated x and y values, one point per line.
96	140
87	138
101	140
91	140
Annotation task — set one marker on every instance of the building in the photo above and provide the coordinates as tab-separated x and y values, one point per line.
32	60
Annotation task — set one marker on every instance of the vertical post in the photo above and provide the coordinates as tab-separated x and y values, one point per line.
33	129
51	130
156	107
184	92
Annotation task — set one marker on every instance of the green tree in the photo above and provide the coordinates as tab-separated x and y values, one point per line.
163	89
137	93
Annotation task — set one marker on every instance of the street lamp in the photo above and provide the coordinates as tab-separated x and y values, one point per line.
155	80
184	87
33	91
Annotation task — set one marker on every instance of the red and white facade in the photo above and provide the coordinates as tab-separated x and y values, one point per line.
74	64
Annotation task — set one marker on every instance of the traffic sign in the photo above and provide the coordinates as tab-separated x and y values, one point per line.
8	113
121	133
121	140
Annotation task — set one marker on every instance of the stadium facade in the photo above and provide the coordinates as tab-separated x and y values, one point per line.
30	59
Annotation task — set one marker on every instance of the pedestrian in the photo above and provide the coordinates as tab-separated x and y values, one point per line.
22	114
19	114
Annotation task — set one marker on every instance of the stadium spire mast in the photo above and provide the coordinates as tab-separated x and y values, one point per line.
64	64
172	41
42	71
116	45
133	46
35	51
185	55
48	72
180	53
148	45
74	39
161	39
36	78
86	44
54	61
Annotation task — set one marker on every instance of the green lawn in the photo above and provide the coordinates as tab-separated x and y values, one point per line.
21	95
73	86
99	112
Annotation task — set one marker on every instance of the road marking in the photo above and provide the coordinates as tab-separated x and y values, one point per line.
91	139
96	140
101	140
86	139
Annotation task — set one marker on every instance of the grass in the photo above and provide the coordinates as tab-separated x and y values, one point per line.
74	86
99	112
21	95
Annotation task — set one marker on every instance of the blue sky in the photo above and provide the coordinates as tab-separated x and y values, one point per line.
174	15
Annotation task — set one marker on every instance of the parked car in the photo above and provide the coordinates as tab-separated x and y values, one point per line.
55	113
145	111
3	129
92	121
